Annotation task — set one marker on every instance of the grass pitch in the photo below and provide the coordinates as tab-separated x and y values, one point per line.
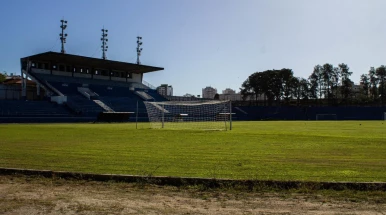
290	150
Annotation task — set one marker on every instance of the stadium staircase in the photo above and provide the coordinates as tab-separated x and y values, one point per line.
88	93
103	105
144	95
47	86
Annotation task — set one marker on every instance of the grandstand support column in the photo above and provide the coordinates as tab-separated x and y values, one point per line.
24	80
38	89
51	67
72	70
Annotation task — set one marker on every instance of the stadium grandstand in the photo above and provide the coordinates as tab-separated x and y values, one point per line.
72	88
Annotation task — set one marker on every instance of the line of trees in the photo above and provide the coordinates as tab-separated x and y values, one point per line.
327	85
2	77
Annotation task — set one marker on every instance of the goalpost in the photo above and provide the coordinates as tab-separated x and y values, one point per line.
206	115
326	117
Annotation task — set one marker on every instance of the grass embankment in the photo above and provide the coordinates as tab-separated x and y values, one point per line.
315	151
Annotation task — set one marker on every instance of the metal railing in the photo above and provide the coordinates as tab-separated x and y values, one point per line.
148	85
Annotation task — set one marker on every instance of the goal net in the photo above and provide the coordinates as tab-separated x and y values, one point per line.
326	117
207	115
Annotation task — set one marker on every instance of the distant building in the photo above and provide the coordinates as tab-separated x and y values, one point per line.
165	90
229	94
209	92
228	91
188	95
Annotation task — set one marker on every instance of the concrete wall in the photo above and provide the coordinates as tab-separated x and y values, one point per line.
136	78
61	73
101	77
41	71
82	75
10	92
118	79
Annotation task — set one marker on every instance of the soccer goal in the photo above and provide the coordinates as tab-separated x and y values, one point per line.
206	115
326	117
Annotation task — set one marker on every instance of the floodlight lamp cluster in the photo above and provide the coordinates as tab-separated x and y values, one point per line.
63	38
104	43
139	49
63	35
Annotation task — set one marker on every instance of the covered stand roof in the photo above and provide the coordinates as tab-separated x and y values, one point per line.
77	60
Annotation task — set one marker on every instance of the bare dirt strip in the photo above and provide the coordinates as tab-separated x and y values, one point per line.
37	195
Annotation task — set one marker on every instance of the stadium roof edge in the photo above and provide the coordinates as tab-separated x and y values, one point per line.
71	59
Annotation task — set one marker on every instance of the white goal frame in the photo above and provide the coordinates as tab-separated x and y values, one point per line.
318	116
201	114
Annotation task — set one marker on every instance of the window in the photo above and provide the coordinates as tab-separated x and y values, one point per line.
68	68
54	67
96	72
33	65
129	75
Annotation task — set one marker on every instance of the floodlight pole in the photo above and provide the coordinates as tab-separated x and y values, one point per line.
230	115
104	43
139	49
62	35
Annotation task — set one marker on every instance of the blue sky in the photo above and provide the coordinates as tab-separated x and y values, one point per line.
202	43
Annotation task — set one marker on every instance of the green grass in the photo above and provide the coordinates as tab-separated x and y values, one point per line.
298	150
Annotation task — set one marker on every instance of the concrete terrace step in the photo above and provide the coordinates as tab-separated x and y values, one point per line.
104	106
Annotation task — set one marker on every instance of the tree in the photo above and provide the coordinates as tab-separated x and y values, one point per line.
252	86
305	90
327	74
365	82
346	81
289	84
373	84
216	96
316	82
381	75
335	82
2	77
296	89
